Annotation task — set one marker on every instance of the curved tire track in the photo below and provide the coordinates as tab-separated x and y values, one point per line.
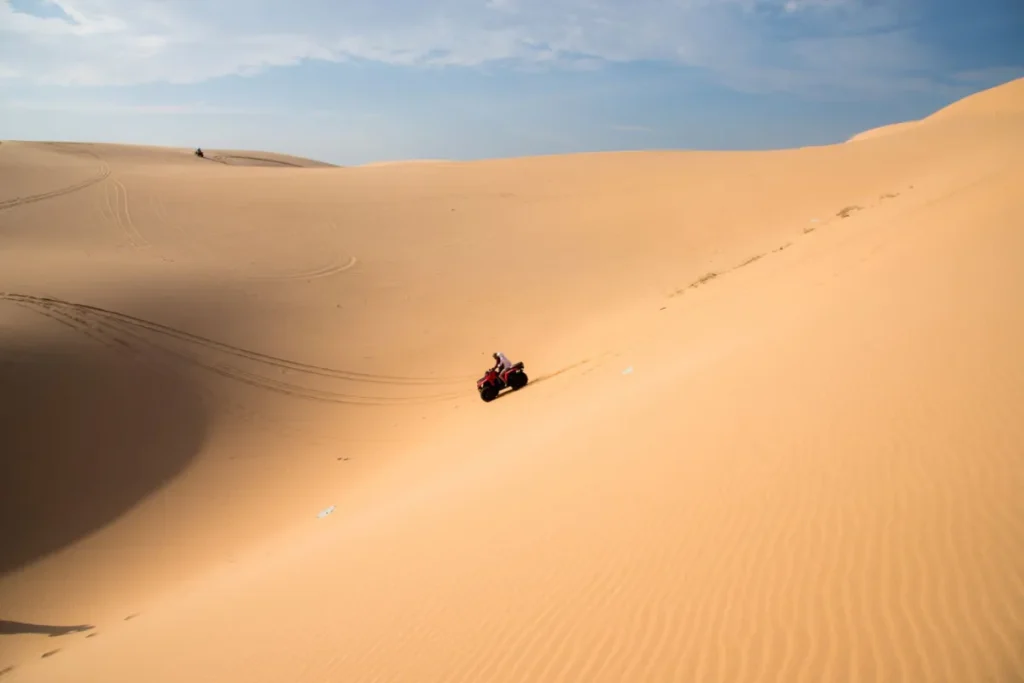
315	274
50	302
116	329
224	159
122	332
119	210
332	268
104	173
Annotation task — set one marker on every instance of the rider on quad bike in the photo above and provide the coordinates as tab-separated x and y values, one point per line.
501	361
504	373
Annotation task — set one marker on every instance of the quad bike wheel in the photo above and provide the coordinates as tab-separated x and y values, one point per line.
517	380
489	393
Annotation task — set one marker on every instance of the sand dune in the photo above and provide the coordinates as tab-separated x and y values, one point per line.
1004	101
772	431
256	158
883	131
405	162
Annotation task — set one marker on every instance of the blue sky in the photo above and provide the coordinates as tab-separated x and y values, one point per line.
355	81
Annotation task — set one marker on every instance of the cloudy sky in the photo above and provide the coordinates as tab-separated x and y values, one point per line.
354	81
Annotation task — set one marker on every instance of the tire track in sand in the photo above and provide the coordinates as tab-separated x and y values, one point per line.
102	174
334	267
128	333
115	338
116	198
228	348
118	209
314	274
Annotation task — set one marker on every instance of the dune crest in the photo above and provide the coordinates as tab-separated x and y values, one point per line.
772	430
256	158
1006	99
882	131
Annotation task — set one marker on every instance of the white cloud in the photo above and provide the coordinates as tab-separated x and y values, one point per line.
125	42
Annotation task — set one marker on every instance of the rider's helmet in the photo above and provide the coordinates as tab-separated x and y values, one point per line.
494	355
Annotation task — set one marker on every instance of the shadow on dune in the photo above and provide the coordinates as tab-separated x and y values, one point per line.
14	628
85	434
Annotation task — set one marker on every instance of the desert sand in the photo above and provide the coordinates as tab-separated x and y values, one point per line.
773	430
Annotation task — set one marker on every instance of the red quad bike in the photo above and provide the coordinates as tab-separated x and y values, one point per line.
491	384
